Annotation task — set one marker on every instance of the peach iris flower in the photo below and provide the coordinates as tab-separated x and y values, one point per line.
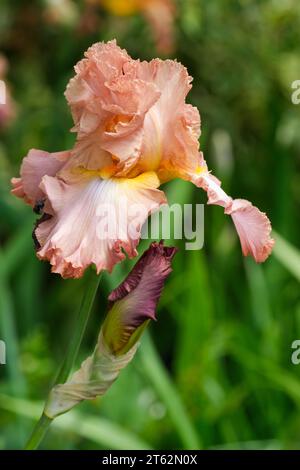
159	14
134	132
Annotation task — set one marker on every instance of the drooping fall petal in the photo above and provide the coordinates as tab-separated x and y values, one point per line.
131	307
34	167
252	225
94	221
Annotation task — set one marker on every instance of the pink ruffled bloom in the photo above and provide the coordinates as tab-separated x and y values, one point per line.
134	132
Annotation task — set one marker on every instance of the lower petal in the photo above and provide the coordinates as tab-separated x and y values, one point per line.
253	228
252	225
34	166
95	221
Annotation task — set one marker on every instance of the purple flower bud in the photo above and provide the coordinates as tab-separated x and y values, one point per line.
134	302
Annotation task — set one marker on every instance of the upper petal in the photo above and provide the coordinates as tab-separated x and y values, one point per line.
129	103
103	62
171	127
109	103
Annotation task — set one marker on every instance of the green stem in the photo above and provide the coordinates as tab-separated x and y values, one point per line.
44	422
38	433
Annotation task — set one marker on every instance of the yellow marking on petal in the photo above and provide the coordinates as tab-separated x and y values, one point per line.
149	178
105	173
200	169
168	173
165	175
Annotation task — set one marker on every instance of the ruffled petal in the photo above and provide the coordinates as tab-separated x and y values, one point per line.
171	127
129	103
86	91
252	225
108	105
94	220
133	113
18	190
34	166
102	62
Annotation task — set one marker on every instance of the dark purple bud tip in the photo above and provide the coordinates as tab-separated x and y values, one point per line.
134	302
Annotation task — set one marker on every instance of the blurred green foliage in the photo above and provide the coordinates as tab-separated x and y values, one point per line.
217	372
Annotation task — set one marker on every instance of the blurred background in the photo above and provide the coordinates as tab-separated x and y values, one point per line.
215	371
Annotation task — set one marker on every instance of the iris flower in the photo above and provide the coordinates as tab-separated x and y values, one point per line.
134	131
131	306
